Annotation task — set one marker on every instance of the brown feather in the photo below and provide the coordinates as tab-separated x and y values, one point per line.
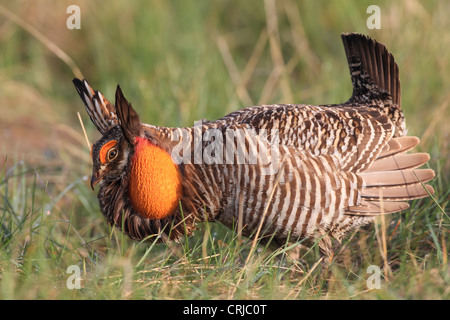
374	72
129	120
374	208
396	177
399	162
403	192
100	110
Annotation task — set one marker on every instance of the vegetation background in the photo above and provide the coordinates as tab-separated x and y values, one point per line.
177	62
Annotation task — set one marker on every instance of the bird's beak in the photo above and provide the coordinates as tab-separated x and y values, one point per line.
95	179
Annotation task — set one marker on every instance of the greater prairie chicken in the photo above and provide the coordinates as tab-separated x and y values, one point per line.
293	171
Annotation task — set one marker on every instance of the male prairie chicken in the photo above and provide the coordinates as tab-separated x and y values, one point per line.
293	172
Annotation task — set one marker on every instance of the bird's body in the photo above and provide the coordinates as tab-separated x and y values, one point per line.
292	171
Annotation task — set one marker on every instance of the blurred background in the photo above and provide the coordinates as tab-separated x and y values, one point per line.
181	61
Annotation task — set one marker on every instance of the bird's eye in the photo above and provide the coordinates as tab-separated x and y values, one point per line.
112	154
108	152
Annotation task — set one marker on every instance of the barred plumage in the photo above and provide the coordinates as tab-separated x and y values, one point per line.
329	168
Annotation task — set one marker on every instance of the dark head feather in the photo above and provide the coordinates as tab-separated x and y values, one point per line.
129	120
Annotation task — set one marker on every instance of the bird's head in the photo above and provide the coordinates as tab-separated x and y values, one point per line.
109	156
120	126
125	152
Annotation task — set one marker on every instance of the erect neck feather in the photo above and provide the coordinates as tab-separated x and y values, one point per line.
155	181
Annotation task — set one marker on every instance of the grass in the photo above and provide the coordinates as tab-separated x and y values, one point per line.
182	61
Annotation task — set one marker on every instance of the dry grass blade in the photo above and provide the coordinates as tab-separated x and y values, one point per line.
269	86
275	48
298	34
44	40
266	209
299	284
436	118
240	218
256	237
233	71
382	243
84	131
254	58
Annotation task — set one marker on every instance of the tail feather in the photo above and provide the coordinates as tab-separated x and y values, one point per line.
374	73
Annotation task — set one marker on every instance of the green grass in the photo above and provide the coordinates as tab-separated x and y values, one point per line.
178	62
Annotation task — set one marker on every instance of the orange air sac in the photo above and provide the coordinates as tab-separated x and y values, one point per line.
155	181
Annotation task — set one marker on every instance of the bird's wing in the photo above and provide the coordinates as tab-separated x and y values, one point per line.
393	178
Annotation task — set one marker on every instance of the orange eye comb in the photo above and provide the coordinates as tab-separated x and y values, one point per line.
104	150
